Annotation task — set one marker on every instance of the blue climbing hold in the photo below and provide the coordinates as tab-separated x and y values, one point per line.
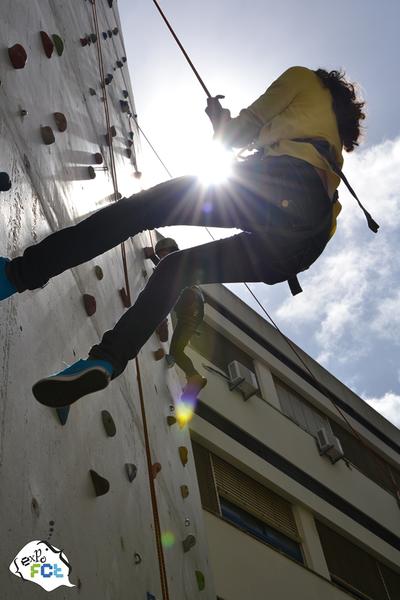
6	287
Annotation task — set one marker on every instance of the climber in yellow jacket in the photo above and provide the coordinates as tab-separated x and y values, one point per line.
284	199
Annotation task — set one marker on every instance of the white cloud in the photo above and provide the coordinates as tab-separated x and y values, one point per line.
388	405
387	320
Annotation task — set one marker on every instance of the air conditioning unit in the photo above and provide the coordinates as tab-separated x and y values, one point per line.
329	444
241	378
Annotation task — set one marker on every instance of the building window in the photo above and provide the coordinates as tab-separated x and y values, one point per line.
356	571
260	530
299	410
246	503
309	418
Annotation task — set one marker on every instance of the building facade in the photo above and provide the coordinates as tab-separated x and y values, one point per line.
283	520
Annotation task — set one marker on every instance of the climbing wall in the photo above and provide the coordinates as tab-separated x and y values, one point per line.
111	481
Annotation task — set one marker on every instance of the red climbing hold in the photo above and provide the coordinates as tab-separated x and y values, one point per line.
155	469
48	44
5	182
18	56
162	331
84	41
61	121
58	44
98	158
90	304
47	135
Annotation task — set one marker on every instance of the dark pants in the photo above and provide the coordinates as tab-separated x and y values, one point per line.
183	332
276	242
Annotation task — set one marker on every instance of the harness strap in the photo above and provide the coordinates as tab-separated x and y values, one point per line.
326	150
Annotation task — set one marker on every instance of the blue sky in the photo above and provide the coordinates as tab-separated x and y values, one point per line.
348	316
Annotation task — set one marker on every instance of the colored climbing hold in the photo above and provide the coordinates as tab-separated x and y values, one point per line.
187	522
188	543
137	174
104	34
131	471
171	420
93	37
100	484
92	91
63	413
47	135
48	44
128	152
183	454
149	595
84	41
124	104
125	93
61	121
130	134
5	182
92	172
125	298
113	131
98	158
110	3
162	331
137	558
129	143
23	112
159	354
123	58
90	304
119	64
115	31
201	582
108	423
18	56
58	44
155	469
184	491
99	272
109	32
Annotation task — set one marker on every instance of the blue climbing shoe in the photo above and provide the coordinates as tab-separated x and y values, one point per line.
170	360
6	287
81	378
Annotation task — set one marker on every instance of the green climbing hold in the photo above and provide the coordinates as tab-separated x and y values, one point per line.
99	272
100	484
201	582
108	423
188	543
58	44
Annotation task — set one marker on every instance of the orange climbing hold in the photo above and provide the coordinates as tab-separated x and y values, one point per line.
171	420
159	354
155	469
183	454
184	491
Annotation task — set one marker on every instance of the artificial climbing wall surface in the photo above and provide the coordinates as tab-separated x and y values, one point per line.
61	167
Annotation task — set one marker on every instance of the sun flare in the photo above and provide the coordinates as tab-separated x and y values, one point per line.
215	164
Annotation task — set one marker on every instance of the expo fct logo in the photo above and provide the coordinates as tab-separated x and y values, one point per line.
42	563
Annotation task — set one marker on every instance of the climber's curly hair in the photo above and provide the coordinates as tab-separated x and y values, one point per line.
347	107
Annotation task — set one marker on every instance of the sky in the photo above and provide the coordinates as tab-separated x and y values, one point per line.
348	316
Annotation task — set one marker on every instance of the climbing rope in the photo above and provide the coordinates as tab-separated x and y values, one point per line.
289	343
156	518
